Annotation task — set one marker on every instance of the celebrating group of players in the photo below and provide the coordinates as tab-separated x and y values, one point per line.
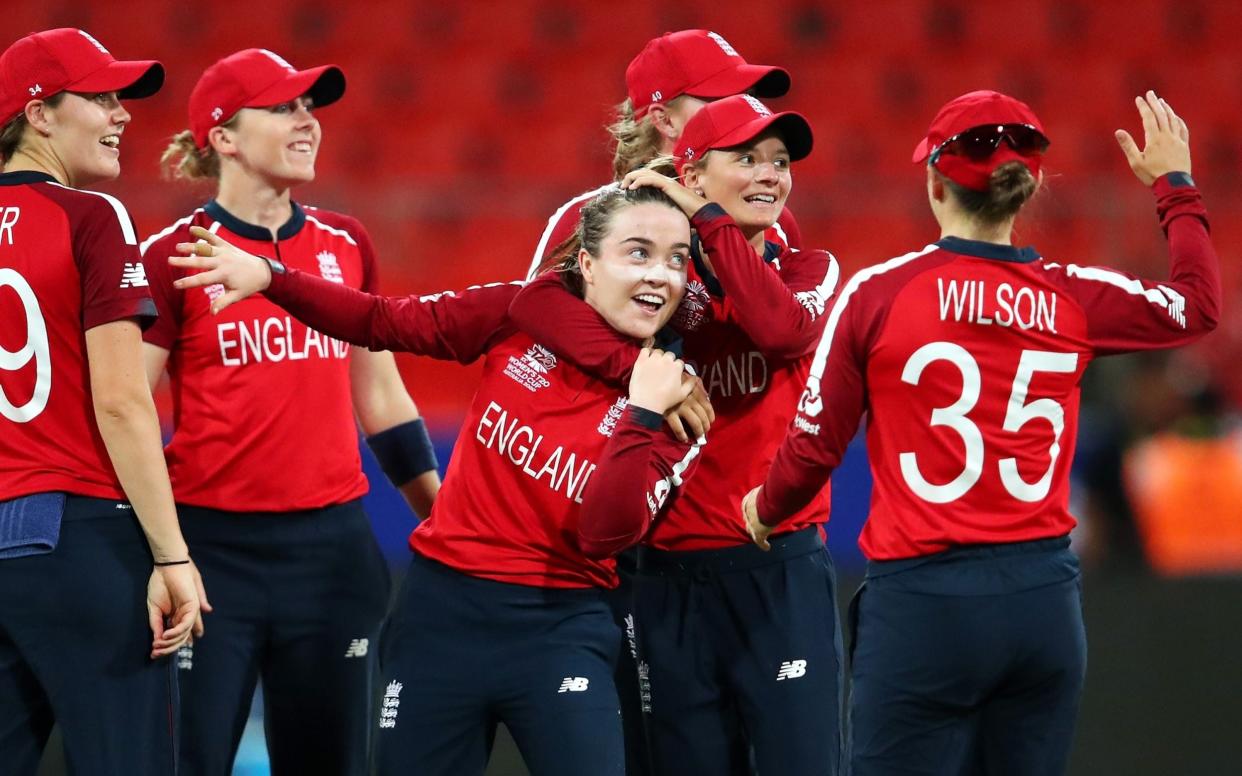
625	564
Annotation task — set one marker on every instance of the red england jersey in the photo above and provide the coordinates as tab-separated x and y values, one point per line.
68	262
967	357
262	411
749	337
546	454
564	221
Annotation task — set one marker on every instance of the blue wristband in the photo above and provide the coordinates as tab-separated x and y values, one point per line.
404	451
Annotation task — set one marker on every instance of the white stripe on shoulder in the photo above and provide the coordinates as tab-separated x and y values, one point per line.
434	297
830	328
780	232
332	230
127	226
174	226
556	219
816	299
1161	296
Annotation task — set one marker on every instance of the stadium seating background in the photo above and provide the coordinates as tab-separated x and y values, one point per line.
464	126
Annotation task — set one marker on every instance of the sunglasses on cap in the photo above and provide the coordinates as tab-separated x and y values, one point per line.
978	143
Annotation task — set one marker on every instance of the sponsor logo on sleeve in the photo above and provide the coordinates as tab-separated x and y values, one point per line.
134	275
609	423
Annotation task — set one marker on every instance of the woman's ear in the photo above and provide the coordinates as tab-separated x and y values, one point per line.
221	139
39	116
692	178
663	122
586	264
935	186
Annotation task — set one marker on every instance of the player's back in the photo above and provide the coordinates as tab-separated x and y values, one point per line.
62	271
973	363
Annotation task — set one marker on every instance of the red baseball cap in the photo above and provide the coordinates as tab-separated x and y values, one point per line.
971	110
699	63
68	59
733	121
256	78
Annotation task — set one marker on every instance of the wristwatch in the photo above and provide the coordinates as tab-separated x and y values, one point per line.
277	267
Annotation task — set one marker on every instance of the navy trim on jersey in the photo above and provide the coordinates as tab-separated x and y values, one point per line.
22	177
252	231
987	250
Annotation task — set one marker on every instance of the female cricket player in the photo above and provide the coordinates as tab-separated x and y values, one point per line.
86	509
670	80
502	616
967	355
264	455
719	625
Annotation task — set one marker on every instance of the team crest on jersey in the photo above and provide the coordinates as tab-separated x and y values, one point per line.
692	311
329	267
529	370
612	416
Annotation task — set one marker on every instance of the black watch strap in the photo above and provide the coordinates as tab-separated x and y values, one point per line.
277	267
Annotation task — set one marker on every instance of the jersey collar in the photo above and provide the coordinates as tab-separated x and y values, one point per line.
987	250
253	231
771	252
24	176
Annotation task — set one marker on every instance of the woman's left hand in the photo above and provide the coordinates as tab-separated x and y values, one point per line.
758	530
689	201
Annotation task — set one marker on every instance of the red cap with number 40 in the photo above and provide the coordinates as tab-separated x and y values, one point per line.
68	59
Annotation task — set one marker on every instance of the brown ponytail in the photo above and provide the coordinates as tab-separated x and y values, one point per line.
1009	188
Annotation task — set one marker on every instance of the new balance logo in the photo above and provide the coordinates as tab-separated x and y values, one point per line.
791	669
358	648
574	684
134	275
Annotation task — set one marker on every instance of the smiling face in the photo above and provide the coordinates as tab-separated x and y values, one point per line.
84	136
639	276
751	182
278	144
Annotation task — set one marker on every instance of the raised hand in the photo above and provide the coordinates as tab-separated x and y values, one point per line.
689	201
1166	141
242	274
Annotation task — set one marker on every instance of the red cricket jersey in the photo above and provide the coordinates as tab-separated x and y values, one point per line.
751	347
564	221
967	357
68	262
544	448
262	411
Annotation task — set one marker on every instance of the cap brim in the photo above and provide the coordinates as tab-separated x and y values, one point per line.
793	127
131	80
324	85
762	80
922	151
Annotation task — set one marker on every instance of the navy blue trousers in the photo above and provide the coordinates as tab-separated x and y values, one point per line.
462	654
743	655
968	662
298	600
75	649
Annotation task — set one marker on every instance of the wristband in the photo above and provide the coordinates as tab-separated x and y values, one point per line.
404	451
162	563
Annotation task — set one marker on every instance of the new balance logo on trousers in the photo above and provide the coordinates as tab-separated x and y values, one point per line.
574	684
358	648
791	669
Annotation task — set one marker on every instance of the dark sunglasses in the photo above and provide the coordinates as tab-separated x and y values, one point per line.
978	143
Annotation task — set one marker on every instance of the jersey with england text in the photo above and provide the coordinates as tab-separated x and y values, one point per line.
966	358
69	262
755	326
263	419
543	449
